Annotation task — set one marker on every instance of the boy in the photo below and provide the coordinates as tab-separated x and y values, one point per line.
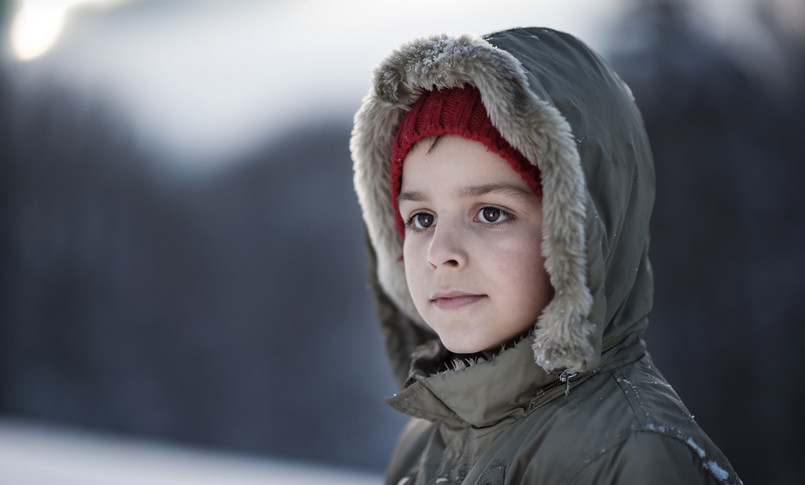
506	184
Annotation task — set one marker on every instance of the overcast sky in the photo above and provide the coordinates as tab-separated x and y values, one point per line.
203	79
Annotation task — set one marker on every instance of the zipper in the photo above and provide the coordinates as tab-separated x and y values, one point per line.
566	376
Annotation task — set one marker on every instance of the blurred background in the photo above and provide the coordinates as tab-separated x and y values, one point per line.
181	250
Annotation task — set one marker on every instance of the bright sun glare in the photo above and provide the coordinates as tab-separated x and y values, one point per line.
39	23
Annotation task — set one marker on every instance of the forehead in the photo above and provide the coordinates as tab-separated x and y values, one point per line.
456	161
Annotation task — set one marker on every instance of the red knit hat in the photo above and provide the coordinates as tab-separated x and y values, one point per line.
455	111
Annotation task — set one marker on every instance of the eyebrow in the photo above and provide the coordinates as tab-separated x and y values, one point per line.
412	196
473	191
505	189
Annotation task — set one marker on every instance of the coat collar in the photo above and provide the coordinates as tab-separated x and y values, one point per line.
481	395
508	386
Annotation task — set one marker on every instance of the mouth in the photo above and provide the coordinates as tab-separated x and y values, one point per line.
454	300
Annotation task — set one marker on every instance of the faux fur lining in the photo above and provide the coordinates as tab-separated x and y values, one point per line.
564	336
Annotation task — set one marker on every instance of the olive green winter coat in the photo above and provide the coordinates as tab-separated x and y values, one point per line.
579	400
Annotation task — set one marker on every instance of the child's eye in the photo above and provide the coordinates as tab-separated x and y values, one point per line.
421	221
492	215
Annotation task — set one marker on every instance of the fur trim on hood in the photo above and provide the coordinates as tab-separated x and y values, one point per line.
565	336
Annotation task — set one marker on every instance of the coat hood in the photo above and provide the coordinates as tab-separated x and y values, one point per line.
562	107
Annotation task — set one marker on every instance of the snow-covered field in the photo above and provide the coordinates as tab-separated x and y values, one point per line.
37	454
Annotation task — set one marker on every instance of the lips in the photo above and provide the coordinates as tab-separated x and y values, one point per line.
454	300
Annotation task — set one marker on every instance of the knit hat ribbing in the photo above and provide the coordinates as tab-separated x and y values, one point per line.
456	111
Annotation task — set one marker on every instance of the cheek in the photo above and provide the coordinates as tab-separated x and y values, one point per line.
520	271
520	268
410	252
516	257
413	260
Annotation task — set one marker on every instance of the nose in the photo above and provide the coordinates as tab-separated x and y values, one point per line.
446	248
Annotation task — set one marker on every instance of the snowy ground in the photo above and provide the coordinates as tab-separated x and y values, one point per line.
36	454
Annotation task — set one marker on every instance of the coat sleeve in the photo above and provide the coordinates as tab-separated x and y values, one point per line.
657	459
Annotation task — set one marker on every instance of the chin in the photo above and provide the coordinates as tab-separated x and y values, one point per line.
463	347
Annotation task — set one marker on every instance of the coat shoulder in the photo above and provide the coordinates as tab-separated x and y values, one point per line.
648	457
632	427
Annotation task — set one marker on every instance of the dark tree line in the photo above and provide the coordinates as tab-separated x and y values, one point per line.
225	311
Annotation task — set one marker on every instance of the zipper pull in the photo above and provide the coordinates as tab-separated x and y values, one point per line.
566	376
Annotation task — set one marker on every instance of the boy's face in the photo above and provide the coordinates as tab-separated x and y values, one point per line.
472	244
